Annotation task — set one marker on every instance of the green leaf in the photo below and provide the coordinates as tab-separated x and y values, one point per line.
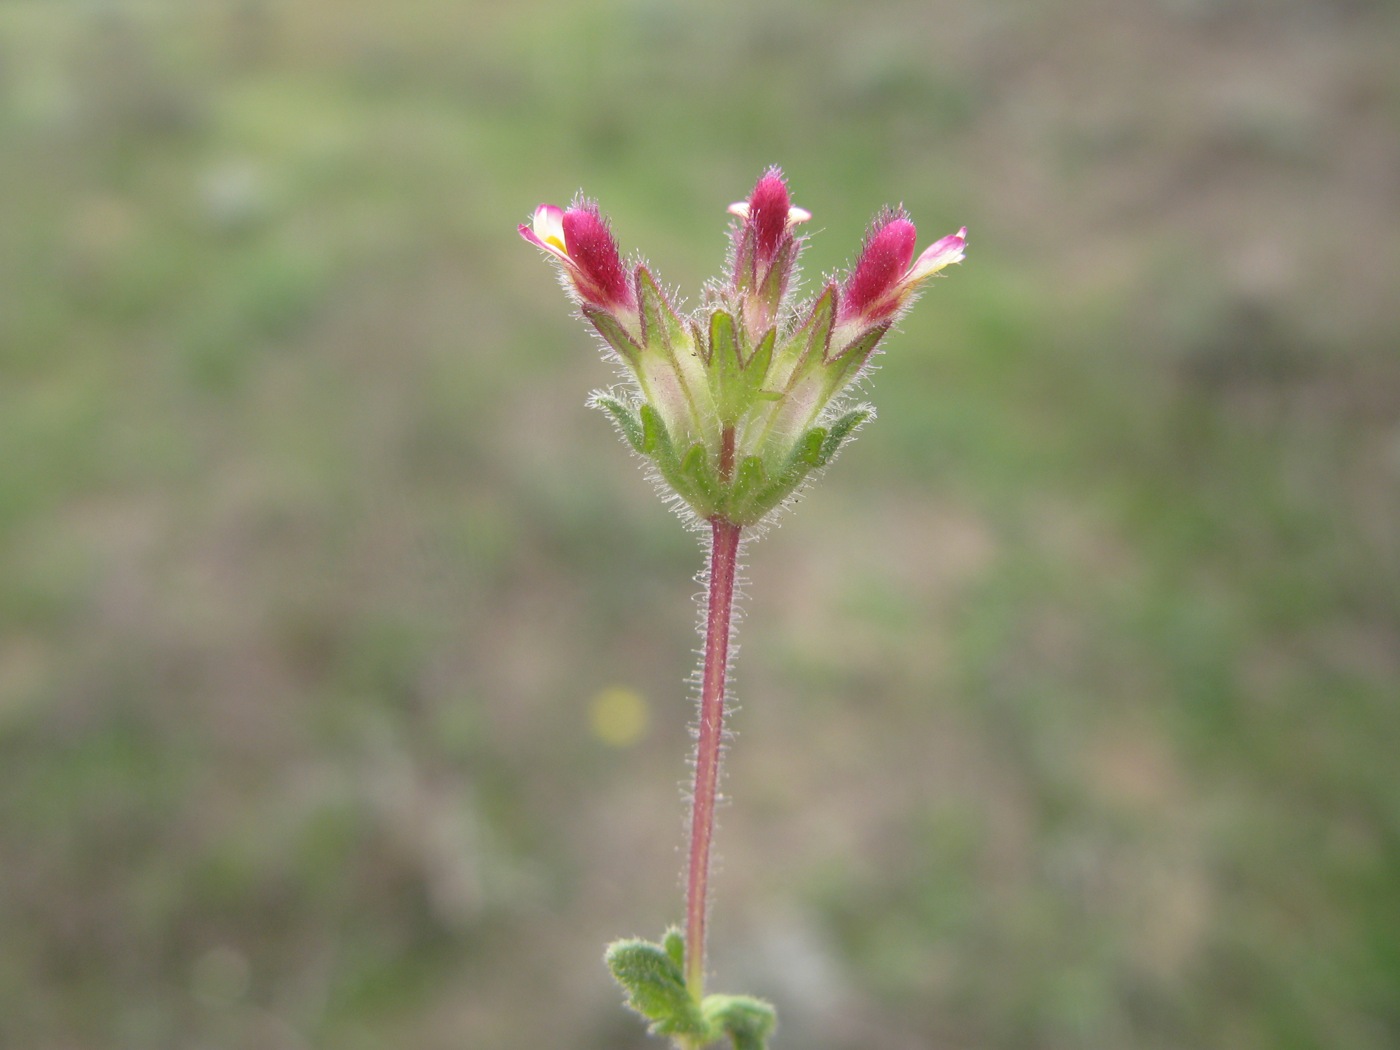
761	498
748	479
654	979
656	989
809	450
625	418
695	469
656	442
674	943
749	1022
840	430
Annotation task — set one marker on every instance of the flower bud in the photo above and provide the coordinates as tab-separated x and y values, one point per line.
580	239
870	291
739	402
765	248
886	275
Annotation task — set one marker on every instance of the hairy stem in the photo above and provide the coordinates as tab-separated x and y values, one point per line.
724	550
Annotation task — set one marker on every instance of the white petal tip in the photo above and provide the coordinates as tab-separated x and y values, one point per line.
941	253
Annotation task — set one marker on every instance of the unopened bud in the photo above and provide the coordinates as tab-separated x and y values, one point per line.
765	247
740	401
871	293
580	239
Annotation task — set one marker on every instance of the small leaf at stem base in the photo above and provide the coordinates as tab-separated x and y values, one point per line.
653	978
746	1020
656	988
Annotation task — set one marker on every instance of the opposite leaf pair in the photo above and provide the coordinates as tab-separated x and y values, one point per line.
656	989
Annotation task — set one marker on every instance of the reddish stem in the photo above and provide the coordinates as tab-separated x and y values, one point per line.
726	453
724	550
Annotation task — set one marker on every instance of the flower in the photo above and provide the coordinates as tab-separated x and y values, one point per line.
769	217
738	402
765	247
886	275
580	239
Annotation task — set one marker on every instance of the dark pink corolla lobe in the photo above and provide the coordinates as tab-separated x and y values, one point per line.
591	247
883	263
579	238
769	205
765	246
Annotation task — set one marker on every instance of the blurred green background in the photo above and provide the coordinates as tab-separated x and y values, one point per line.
342	648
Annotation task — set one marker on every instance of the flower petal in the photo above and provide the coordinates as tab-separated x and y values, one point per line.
941	253
590	247
546	231
769	205
871	291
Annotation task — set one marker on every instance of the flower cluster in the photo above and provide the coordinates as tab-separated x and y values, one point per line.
739	402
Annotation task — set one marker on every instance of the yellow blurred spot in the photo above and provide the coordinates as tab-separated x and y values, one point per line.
618	716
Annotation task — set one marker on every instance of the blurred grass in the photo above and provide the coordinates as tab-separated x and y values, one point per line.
1069	697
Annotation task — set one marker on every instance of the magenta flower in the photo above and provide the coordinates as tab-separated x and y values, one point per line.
769	218
886	275
737	402
580	239
765	247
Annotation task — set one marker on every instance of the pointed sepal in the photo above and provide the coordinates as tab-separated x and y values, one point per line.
805	348
701	485
613	333
628	423
737	371
840	430
755	491
662	328
655	440
673	372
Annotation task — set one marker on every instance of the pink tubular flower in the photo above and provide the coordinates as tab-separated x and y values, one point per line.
737	401
765	248
580	239
887	274
768	217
